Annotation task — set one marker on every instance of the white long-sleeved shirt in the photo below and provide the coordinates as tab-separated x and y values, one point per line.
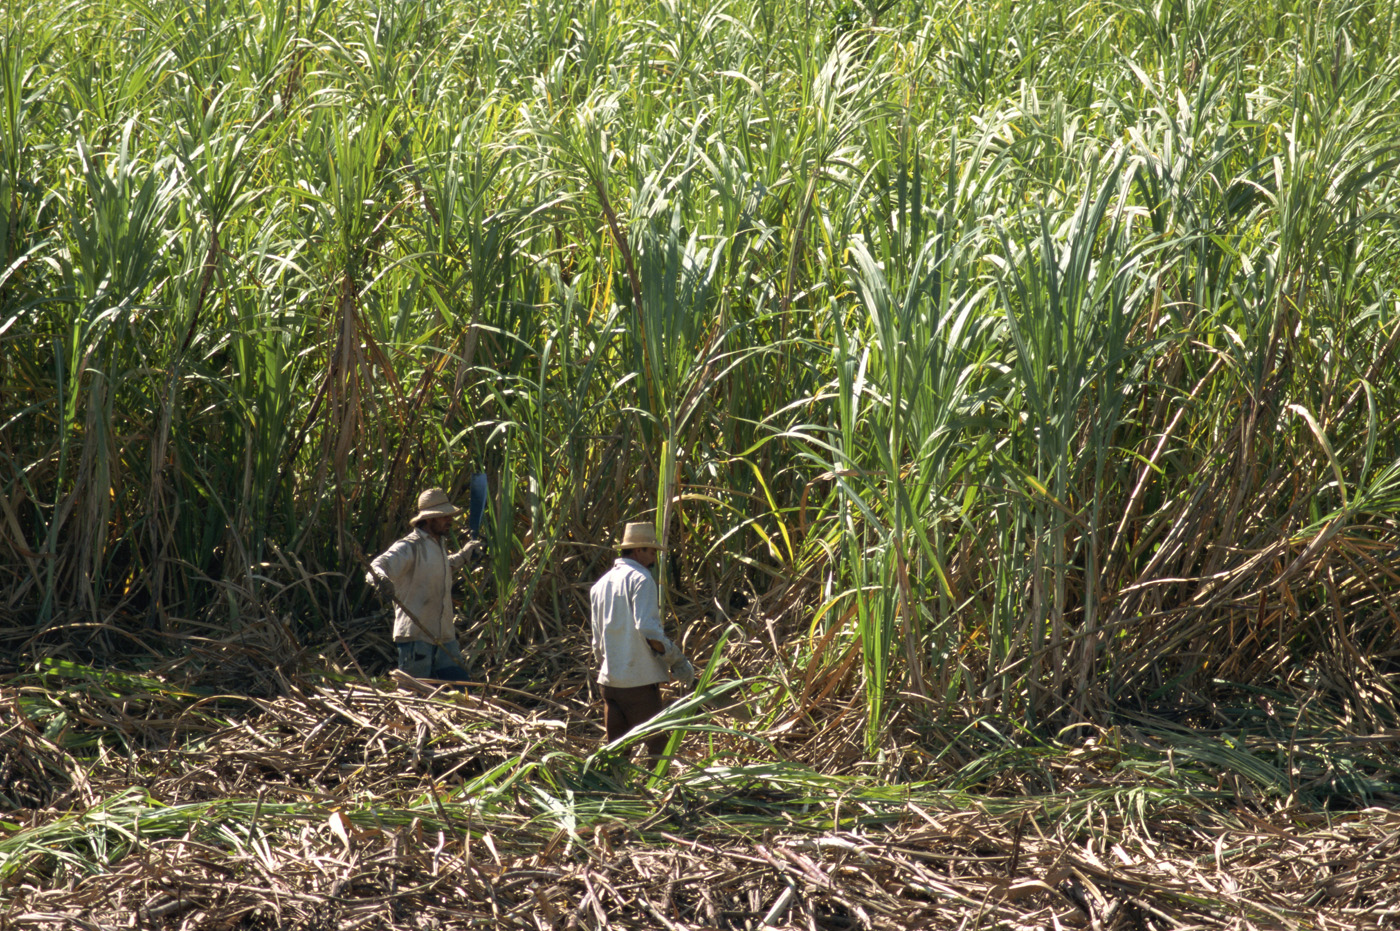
625	615
421	569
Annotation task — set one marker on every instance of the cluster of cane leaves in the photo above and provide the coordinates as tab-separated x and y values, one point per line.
1034	361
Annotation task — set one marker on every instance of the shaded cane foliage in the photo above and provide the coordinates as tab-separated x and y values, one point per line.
1022	359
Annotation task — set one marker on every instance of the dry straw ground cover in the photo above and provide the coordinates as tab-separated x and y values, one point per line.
359	804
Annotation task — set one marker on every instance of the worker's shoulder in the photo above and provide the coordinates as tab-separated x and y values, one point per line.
606	578
633	574
408	543
414	537
621	572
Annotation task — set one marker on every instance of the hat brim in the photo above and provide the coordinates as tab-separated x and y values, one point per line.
450	511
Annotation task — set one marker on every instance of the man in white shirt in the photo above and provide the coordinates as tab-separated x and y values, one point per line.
632	650
416	573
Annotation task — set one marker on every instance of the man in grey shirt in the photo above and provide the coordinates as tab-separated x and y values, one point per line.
416	573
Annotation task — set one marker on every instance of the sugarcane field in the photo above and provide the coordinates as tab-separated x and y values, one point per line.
700	465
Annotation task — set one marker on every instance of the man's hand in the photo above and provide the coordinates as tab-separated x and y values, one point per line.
380	584
666	651
674	660
472	552
683	672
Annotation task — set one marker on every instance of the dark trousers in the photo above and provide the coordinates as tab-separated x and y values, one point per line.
625	708
429	661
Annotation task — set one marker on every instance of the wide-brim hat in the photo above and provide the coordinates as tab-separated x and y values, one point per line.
434	503
640	535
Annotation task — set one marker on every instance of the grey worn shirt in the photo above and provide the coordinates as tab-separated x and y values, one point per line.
420	568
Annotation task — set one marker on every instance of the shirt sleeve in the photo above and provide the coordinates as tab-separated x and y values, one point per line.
646	612
394	562
595	631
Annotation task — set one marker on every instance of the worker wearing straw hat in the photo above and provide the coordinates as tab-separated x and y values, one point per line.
416	573
633	652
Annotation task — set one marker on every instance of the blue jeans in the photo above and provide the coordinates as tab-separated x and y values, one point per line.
429	661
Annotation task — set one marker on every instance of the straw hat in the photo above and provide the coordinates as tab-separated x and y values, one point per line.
434	503
638	536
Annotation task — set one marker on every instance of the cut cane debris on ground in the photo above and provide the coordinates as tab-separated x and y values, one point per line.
353	804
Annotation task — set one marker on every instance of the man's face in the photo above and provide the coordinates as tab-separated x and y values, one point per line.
645	555
437	526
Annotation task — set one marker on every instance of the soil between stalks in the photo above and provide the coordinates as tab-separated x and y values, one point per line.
355	805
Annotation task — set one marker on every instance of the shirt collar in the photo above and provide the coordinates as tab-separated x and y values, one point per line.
420	534
632	564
